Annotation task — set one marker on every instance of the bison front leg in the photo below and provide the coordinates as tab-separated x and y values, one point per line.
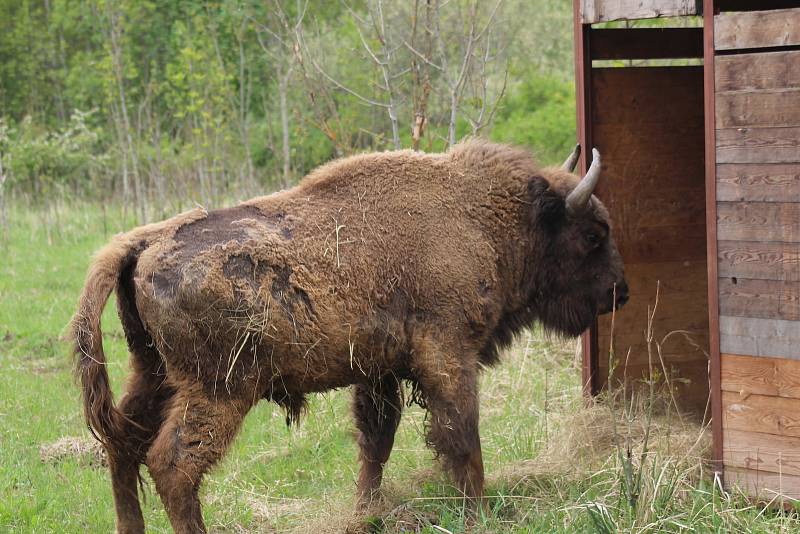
376	408
451	393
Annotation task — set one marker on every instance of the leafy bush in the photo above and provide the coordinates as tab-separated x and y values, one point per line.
539	113
38	160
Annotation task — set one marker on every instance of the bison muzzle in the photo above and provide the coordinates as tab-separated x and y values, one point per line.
376	269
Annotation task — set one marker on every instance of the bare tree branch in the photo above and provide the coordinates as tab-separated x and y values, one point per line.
422	56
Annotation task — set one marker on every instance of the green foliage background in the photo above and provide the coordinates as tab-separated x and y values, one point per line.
183	94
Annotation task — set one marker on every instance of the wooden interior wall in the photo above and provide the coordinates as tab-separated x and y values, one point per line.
648	125
758	223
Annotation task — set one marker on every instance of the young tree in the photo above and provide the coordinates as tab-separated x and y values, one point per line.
384	58
3	213
114	29
468	58
275	33
445	50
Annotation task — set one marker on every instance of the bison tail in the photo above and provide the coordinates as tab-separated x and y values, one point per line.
103	418
106	422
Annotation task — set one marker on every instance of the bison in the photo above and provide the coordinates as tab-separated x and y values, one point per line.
376	269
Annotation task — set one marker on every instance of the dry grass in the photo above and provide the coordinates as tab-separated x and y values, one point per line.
86	451
574	465
553	464
586	442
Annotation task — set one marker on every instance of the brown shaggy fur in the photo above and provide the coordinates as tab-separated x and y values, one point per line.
375	269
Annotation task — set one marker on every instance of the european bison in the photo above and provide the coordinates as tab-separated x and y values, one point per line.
375	269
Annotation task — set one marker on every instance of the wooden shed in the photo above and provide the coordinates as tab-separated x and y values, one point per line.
699	127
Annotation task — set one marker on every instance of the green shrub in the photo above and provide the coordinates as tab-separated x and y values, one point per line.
38	160
539	113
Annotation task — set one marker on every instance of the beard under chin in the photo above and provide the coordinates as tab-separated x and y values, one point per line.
568	319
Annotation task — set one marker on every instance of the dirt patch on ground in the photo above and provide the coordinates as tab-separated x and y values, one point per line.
87	451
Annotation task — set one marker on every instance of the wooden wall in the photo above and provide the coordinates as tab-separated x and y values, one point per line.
758	186
648	124
757	95
761	422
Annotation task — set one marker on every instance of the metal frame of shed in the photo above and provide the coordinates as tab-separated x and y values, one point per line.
727	250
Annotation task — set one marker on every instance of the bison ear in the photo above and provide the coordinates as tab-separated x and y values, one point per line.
548	206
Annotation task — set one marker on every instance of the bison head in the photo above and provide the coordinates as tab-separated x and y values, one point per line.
578	269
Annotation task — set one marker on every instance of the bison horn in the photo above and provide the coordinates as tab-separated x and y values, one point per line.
572	160
578	199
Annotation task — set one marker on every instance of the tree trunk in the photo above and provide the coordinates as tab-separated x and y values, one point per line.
451	128
3	212
127	139
283	88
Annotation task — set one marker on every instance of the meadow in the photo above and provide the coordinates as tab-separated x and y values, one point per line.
554	463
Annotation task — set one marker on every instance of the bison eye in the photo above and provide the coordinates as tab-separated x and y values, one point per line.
593	240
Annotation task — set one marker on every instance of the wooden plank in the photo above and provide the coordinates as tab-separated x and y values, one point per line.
679	308
765	70
761	413
661	207
763	484
767	347
647	230
771	338
689	381
604	10
753	375
765	299
758	145
650	172
634	325
758	221
691	376
767	107
746	375
647	145
649	96
583	115
649	125
672	309
633	332
671	278
750	5
712	296
662	244
647	43
676	349
762	452
759	260
691	366
757	29
768	182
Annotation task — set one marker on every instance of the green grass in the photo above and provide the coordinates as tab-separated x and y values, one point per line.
552	464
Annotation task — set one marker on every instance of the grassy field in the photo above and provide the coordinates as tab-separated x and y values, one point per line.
553	465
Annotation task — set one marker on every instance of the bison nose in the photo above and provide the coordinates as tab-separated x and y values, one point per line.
622	294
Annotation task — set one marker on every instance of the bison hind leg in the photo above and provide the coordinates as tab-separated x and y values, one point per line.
196	433
142	405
